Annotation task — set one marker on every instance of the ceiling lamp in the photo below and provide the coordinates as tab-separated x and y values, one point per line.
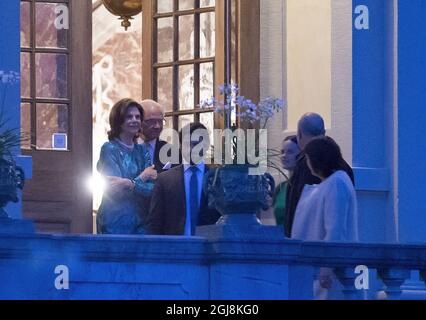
125	9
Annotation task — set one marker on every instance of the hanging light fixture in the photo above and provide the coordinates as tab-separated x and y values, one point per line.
125	9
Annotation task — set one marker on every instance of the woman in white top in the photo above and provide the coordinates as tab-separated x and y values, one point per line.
327	211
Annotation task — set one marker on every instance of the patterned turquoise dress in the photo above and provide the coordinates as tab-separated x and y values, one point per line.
123	212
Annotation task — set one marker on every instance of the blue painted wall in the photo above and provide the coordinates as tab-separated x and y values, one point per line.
10	61
412	120
10	55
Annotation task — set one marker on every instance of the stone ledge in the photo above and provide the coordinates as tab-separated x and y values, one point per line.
10	226
372	179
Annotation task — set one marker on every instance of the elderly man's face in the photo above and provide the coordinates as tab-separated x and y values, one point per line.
152	124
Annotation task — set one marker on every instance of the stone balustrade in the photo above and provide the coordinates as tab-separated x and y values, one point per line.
150	267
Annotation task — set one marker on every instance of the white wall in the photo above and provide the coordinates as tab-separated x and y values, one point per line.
308	55
341	75
306	58
272	61
312	70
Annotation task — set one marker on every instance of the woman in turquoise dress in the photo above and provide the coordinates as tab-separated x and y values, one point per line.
289	152
129	175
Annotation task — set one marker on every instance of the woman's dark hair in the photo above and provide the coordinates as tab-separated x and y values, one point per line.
117	116
193	126
325	156
291	138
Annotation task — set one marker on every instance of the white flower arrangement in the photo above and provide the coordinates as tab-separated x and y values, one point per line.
244	108
10	77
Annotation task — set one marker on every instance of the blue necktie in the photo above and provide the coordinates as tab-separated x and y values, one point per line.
193	198
151	152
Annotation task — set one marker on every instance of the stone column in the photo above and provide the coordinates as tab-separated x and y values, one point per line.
411	99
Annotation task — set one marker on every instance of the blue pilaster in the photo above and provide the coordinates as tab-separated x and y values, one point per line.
412	120
371	157
388	135
368	87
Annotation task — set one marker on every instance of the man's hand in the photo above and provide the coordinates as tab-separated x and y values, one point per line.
149	174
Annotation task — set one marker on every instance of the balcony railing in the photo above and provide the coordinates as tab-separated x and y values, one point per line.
126	267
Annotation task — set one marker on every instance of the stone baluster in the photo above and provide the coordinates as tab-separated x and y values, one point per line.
423	275
393	278
347	277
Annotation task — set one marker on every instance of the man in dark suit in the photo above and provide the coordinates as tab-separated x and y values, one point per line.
310	126
178	203
152	126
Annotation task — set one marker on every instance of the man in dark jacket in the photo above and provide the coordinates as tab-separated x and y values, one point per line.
178	203
152	127
310	126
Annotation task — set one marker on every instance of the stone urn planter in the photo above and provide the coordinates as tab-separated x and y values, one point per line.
231	190
238	197
11	178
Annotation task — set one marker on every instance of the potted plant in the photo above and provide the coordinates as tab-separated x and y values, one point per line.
11	176
236	188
